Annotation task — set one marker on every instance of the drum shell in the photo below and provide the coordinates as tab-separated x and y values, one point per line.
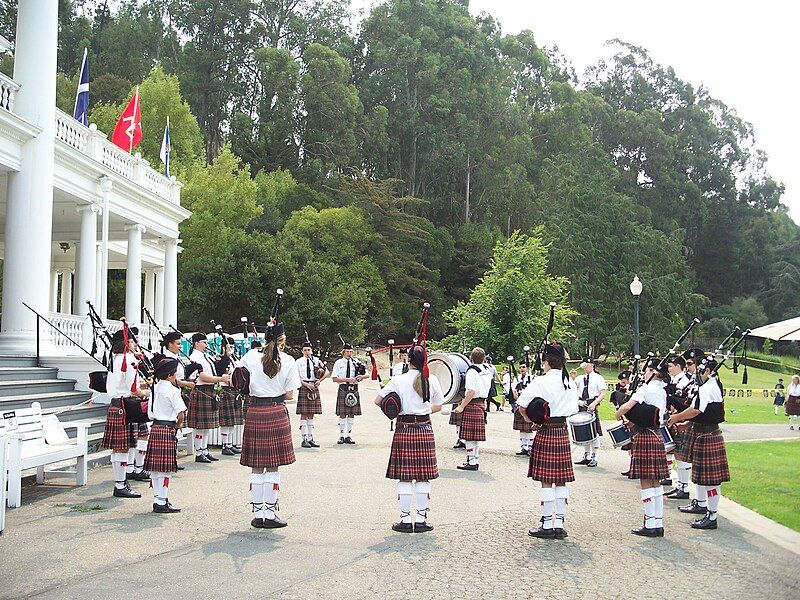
583	428
450	369
669	442
620	435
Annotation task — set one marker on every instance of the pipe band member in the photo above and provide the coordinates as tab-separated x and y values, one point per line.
267	439
413	457
344	373
793	401
527	429
676	390
648	457
312	372
402	366
473	407
230	401
167	409
707	446
122	383
551	456
203	410
591	392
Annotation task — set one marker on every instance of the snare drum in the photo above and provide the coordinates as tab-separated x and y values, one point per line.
669	442
620	435
583	427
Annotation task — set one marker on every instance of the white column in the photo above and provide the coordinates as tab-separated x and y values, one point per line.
98	282
54	290
133	275
29	209
106	185
171	283
150	291
86	265
66	291
159	309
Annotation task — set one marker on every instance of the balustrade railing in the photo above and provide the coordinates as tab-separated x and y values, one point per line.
8	92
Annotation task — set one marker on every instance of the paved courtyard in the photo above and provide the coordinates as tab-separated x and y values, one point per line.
339	543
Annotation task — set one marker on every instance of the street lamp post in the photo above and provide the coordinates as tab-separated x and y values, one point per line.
636	290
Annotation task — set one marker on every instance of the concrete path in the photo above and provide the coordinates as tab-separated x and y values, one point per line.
339	543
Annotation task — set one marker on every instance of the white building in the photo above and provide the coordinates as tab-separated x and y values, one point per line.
72	206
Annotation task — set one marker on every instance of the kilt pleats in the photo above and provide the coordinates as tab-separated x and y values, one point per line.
306	406
413	455
551	454
162	448
118	436
230	408
267	438
709	459
648	458
473	422
203	413
342	410
521	424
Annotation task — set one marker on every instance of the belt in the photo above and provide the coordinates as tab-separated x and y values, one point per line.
701	428
118	401
261	401
162	422
476	400
207	386
414	418
557	420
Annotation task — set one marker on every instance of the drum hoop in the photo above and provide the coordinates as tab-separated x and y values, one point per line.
582	418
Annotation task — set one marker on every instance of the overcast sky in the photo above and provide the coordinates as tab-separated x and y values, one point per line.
745	53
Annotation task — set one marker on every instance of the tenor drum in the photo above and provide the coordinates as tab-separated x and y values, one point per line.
669	442
620	435
450	369
583	427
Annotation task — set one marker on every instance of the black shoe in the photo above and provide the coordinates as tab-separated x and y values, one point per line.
585	461
693	508
348	440
500	410
126	492
705	523
341	440
677	494
666	481
592	463
541	532
257	523
211	458
460	444
165	508
559	533
202	458
305	444
467	467
313	444
403	527
275	523
180	468
140	476
422	527
649	531
236	449
626	473
227	451
522	452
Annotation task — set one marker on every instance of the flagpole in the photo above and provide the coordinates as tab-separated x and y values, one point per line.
133	120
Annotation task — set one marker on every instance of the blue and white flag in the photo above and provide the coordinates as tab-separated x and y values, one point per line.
165	149
81	112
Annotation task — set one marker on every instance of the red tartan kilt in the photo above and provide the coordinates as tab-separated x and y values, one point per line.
342	410
117	437
648	458
521	424
230	408
267	438
551	455
413	455
306	406
162	449
455	418
709	459
473	424
203	413
683	440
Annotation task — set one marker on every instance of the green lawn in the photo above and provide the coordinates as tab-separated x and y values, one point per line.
765	477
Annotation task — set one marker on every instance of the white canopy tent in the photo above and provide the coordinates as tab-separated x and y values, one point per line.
782	331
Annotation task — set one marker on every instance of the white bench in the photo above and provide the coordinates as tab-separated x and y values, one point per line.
185	437
35	441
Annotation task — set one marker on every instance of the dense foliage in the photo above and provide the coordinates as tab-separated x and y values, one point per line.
366	165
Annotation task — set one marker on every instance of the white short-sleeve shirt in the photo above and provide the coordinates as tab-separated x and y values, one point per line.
306	366
479	381
550	386
340	368
166	403
410	401
206	363
596	384
708	393
121	383
653	394
398	369
180	370
286	380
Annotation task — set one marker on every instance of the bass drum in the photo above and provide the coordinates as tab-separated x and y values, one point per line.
450	369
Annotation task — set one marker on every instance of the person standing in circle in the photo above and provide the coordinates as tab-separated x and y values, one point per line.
473	406
793	400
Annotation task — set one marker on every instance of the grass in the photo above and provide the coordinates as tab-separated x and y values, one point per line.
82	508
764	478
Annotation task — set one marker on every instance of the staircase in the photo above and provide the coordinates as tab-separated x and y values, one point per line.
22	382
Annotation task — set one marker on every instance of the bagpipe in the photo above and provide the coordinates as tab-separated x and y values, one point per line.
538	410
240	378
319	367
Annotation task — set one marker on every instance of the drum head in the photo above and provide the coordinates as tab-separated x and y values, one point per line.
581	418
450	369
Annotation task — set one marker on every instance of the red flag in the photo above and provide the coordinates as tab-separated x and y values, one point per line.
128	132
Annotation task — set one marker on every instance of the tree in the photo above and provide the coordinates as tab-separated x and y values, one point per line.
509	308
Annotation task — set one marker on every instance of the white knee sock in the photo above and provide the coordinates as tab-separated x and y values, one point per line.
257	494
671	465
349	426
422	489
200	443
547	499
683	475
405	490
702	496
118	462
713	494
310	429
458	432
342	427
648	495
658	501
561	496
141	451
472	453
131	461
304	429
272	483
586	452
226	433
159	491
523	440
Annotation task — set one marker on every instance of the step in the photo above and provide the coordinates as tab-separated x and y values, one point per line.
87	412
35	386
27	373
47	399
17	361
